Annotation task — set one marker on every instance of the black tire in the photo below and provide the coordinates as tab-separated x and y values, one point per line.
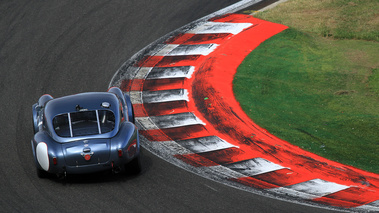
132	119
135	166
42	174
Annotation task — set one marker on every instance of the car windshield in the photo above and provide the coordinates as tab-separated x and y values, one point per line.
84	123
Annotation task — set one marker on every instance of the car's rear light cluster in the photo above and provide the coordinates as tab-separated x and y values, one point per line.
131	150
55	162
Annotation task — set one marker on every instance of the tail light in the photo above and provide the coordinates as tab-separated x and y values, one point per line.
120	153
55	162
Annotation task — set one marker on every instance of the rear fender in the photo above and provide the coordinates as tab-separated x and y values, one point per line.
44	99
129	112
117	91
44	150
36	110
128	136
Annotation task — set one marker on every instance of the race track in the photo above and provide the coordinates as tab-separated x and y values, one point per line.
66	47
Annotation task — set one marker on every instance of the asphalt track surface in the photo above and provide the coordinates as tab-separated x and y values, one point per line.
66	47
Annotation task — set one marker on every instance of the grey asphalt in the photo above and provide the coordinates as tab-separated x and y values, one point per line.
66	47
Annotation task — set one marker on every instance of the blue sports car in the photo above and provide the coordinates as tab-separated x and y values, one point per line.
85	133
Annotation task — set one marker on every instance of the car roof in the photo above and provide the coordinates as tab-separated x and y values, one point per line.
85	101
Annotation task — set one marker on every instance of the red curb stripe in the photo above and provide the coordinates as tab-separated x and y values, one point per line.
349	198
176	133
239	18
139	110
186	132
255	183
165	108
192	39
155	135
168	61
148	61
132	85
278	178
179	39
126	84
186	60
196	160
227	156
164	84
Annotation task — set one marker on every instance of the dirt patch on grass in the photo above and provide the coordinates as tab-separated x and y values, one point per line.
357	57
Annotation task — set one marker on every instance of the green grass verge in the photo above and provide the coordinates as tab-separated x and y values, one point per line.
317	93
338	19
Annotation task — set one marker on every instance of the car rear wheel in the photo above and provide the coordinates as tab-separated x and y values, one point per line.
42	174
135	166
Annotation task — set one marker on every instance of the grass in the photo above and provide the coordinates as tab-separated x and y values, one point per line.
316	85
339	19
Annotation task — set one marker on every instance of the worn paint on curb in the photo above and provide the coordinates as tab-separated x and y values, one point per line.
185	107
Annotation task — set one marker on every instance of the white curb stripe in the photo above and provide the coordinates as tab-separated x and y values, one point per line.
200	49
175	120
166	49
173	147
171	72
254	166
135	97
165	96
181	50
205	144
225	172
310	189
219	27
142	72
129	72
145	123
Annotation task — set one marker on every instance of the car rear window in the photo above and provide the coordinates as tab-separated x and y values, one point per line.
84	123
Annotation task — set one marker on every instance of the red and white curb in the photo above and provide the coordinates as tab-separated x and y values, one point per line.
181	90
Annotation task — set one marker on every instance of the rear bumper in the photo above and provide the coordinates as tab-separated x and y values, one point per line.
87	168
116	164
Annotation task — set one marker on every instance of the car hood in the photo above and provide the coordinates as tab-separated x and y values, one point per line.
87	152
